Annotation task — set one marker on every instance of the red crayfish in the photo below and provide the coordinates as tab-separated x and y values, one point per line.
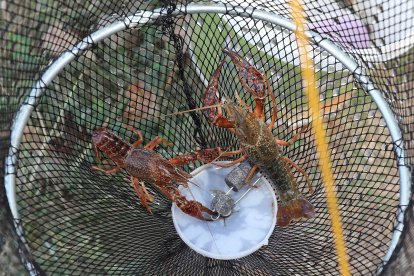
145	165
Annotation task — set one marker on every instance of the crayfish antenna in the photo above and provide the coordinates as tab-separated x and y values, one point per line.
241	102
189	110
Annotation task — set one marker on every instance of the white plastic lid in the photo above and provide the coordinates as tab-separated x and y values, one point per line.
247	228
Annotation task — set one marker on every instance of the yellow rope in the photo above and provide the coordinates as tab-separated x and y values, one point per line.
308	76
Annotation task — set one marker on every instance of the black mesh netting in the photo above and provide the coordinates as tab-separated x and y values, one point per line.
73	220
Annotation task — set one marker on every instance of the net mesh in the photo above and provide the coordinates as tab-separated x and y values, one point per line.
75	220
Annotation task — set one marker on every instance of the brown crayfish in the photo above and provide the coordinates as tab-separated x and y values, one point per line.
259	146
145	165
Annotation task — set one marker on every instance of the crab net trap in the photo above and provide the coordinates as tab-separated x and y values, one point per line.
74	71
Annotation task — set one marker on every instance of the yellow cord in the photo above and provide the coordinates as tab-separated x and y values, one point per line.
308	76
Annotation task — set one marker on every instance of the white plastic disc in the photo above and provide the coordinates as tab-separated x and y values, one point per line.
249	226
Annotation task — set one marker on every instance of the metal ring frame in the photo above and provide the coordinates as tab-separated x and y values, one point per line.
144	17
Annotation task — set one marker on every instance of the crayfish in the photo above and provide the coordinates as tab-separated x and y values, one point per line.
144	165
259	146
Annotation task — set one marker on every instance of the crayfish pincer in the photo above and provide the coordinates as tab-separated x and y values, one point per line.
146	166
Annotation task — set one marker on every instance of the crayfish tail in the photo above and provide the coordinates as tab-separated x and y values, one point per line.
294	210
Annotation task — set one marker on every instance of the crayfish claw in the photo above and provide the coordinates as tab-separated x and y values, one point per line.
197	210
251	78
237	59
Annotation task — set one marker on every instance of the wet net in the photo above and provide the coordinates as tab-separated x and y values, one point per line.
69	68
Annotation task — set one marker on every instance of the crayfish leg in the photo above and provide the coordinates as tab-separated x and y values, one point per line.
137	132
223	122
232	163
293	139
97	153
156	141
250	175
142	193
302	171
